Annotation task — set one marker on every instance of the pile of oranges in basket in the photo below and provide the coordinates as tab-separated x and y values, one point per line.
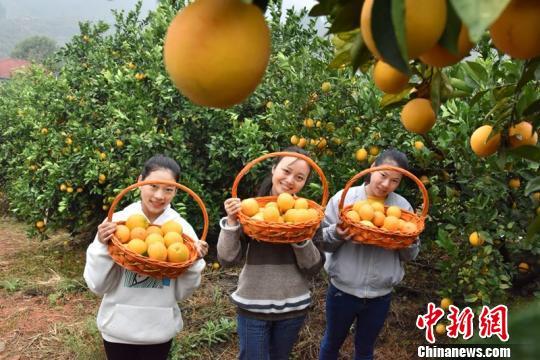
375	214
286	209
164	243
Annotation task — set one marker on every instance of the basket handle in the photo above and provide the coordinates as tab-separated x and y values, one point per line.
312	163
355	178
164	182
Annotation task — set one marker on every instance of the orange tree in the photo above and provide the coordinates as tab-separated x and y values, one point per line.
497	85
74	136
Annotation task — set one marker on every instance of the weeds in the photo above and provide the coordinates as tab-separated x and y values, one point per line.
212	333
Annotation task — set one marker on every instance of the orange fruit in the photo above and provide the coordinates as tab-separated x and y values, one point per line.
172	237
367	223
475	239
171	226
326	86
445	303
418	145
377	206
216	51
137	245
285	201
378	218
178	252
270	214
137	220
514	183
522	134
440	329
391	223
409	227
366	212
40	224
353	216
137	233
361	154
393	211
312	214
388	79
516	31
523	267
152	238
122	233
418	116
439	56
258	216
249	207
358	204
157	251
422	32
480	144
272	204
153	229
301	203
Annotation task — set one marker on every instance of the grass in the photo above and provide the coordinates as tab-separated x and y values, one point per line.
51	273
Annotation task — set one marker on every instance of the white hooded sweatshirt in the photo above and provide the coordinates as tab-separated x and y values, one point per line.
138	309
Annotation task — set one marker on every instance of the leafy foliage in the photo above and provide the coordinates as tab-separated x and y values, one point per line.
35	48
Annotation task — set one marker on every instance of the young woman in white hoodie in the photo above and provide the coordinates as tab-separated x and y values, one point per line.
362	276
139	315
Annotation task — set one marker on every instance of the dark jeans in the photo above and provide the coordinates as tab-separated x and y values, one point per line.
342	310
116	351
267	340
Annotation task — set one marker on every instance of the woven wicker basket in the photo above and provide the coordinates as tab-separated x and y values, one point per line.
382	237
281	232
144	265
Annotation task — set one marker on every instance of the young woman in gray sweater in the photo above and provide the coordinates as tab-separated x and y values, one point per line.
273	293
362	276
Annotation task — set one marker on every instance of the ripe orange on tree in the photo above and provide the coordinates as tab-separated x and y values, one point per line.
481	145
439	56
418	116
214	74
422	32
516	31
388	79
522	134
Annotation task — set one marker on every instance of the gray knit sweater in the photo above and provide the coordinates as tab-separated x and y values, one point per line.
274	282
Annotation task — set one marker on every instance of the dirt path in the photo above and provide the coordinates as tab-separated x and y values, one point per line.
31	318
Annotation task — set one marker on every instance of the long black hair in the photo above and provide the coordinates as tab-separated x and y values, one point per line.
158	162
390	156
265	188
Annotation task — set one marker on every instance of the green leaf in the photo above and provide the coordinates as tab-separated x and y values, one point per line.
534	228
262	4
384	35
398	21
528	152
476	71
347	18
450	36
435	89
533	108
360	53
342	58
389	99
528	72
471	298
532	186
323	8
478	15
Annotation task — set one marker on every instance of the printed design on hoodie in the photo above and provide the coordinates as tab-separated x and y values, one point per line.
134	280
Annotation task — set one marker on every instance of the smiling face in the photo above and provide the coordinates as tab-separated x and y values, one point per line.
383	182
289	175
156	197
